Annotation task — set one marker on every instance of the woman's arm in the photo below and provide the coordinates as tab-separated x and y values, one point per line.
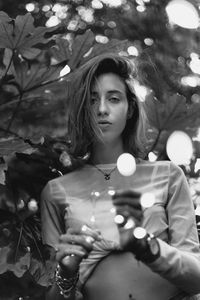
71	244
52	228
53	293
52	208
179	261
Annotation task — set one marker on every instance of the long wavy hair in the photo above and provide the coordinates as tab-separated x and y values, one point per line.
82	126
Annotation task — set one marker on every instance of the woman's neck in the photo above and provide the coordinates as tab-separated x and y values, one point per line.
106	154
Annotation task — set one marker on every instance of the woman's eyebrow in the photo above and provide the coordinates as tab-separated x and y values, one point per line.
115	92
109	92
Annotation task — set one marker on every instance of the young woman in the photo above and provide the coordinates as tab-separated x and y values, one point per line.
97	260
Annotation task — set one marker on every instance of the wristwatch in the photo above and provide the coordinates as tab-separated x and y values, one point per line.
148	250
152	249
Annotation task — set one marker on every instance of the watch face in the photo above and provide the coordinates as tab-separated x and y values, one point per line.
154	246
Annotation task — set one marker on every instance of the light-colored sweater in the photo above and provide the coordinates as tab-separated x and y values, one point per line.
67	201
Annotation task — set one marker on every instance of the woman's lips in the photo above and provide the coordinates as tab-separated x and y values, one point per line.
104	124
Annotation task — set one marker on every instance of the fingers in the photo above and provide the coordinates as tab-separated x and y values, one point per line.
86	231
73	248
64	250
76	244
80	240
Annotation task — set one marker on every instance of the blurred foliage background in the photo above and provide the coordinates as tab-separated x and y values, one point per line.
171	83
43	42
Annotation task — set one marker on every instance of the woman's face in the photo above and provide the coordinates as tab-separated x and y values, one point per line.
110	105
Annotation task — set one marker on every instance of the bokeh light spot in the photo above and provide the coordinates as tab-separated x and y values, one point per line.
179	148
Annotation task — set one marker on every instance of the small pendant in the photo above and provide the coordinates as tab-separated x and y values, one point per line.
107	176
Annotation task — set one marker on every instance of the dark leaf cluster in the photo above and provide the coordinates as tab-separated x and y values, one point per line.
25	262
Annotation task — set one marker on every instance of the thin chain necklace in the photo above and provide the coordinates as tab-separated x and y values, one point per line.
105	174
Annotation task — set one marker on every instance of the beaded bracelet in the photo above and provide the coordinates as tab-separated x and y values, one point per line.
66	285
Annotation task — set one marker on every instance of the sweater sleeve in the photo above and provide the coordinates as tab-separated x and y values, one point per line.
179	261
52	210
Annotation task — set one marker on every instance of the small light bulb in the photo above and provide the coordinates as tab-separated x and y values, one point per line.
84	228
113	210
111	192
129	224
95	194
126	164
89	239
119	219
147	200
139	233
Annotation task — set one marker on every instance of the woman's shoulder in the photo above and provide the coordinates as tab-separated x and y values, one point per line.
68	177
157	163
164	166
56	190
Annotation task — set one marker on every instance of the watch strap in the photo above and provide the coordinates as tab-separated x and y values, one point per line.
148	249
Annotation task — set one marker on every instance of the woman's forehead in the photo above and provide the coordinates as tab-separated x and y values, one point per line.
108	82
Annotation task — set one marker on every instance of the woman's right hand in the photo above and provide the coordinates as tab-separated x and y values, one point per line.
73	246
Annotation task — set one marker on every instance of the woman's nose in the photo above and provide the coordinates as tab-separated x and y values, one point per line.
103	107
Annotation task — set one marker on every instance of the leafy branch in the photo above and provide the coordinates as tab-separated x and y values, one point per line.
31	66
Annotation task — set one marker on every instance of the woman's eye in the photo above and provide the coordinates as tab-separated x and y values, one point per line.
114	99
93	100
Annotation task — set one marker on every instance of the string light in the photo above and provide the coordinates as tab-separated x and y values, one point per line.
152	156
126	164
94	197
119	219
147	200
139	232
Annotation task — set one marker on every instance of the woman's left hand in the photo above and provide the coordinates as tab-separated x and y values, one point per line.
127	204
